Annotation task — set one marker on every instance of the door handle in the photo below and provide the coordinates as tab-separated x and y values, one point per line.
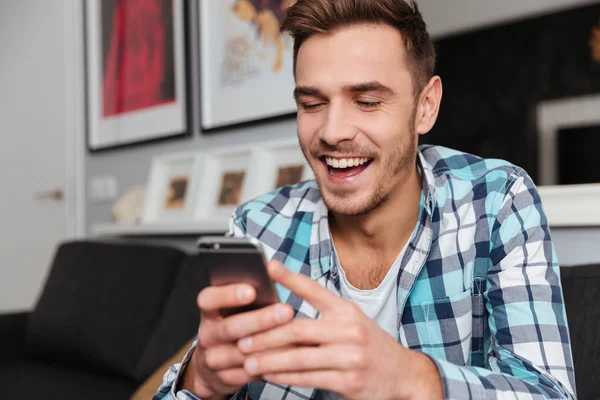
54	194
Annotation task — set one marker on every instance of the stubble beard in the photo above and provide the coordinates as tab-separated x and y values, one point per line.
402	159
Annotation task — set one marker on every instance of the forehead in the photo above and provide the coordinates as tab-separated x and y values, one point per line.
353	54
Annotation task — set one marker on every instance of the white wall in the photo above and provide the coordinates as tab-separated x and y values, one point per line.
446	17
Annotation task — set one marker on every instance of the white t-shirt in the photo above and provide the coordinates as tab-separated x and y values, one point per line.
379	304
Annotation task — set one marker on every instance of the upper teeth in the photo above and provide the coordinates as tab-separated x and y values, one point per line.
345	162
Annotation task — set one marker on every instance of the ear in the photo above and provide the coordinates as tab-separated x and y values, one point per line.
428	106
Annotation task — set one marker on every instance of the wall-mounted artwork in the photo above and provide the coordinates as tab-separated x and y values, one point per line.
135	71
246	63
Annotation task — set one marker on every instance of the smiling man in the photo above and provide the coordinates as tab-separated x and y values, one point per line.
405	272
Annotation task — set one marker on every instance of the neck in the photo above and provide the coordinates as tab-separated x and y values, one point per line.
386	228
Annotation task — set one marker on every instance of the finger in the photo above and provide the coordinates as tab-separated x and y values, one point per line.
214	298
332	357
245	324
334	381
304	331
303	286
223	357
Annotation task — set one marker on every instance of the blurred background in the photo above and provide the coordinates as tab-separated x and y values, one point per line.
144	122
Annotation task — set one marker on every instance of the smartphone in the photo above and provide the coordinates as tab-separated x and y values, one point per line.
230	260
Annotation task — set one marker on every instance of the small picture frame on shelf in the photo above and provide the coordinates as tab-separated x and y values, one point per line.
278	164
224	182
230	192
172	186
289	174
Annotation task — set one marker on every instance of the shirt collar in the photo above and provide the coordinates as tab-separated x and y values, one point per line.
321	250
428	182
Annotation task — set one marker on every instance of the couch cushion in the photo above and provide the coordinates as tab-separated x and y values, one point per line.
179	320
581	289
13	329
41	380
100	304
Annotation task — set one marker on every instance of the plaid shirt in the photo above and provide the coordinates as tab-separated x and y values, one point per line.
478	289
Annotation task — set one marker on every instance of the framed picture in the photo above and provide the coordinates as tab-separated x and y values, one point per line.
172	189
224	182
135	71
289	174
246	66
278	164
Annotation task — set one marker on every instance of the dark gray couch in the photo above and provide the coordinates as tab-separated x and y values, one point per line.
110	314
581	289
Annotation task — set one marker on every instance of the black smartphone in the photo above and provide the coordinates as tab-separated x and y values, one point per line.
230	260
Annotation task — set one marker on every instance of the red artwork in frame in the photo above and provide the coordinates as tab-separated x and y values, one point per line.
136	71
138	55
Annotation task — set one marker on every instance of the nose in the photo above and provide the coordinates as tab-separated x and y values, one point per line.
337	127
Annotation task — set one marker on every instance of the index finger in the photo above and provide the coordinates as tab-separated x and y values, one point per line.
303	286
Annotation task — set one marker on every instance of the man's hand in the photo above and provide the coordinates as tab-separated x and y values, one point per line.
345	351
216	366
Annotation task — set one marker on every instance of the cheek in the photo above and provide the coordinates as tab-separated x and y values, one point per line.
308	128
383	131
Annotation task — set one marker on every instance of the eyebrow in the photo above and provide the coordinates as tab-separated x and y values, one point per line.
306	91
372	86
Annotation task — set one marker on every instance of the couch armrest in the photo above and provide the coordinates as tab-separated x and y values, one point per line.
13	331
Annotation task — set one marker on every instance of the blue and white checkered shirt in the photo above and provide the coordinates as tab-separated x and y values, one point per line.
478	289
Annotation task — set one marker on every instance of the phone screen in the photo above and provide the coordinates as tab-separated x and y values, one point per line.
230	261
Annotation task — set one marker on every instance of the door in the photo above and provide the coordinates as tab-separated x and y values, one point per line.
38	155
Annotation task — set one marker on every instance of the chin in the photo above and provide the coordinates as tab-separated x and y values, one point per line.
349	205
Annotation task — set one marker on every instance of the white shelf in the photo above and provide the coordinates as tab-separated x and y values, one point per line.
174	229
571	205
565	206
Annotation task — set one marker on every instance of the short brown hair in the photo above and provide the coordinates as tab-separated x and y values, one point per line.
309	17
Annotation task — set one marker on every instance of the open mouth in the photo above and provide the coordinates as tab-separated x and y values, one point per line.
346	167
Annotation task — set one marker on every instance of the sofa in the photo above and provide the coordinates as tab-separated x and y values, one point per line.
581	291
109	315
112	314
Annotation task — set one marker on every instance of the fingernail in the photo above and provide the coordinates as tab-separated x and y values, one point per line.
244	293
251	366
277	268
280	314
245	343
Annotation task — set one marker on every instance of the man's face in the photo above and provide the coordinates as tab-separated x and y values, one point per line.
356	115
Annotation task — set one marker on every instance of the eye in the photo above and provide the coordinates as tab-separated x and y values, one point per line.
368	104
311	107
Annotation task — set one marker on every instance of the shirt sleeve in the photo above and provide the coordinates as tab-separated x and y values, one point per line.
171	379
172	376
530	352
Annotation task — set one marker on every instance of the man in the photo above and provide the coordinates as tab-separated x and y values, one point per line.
410	273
